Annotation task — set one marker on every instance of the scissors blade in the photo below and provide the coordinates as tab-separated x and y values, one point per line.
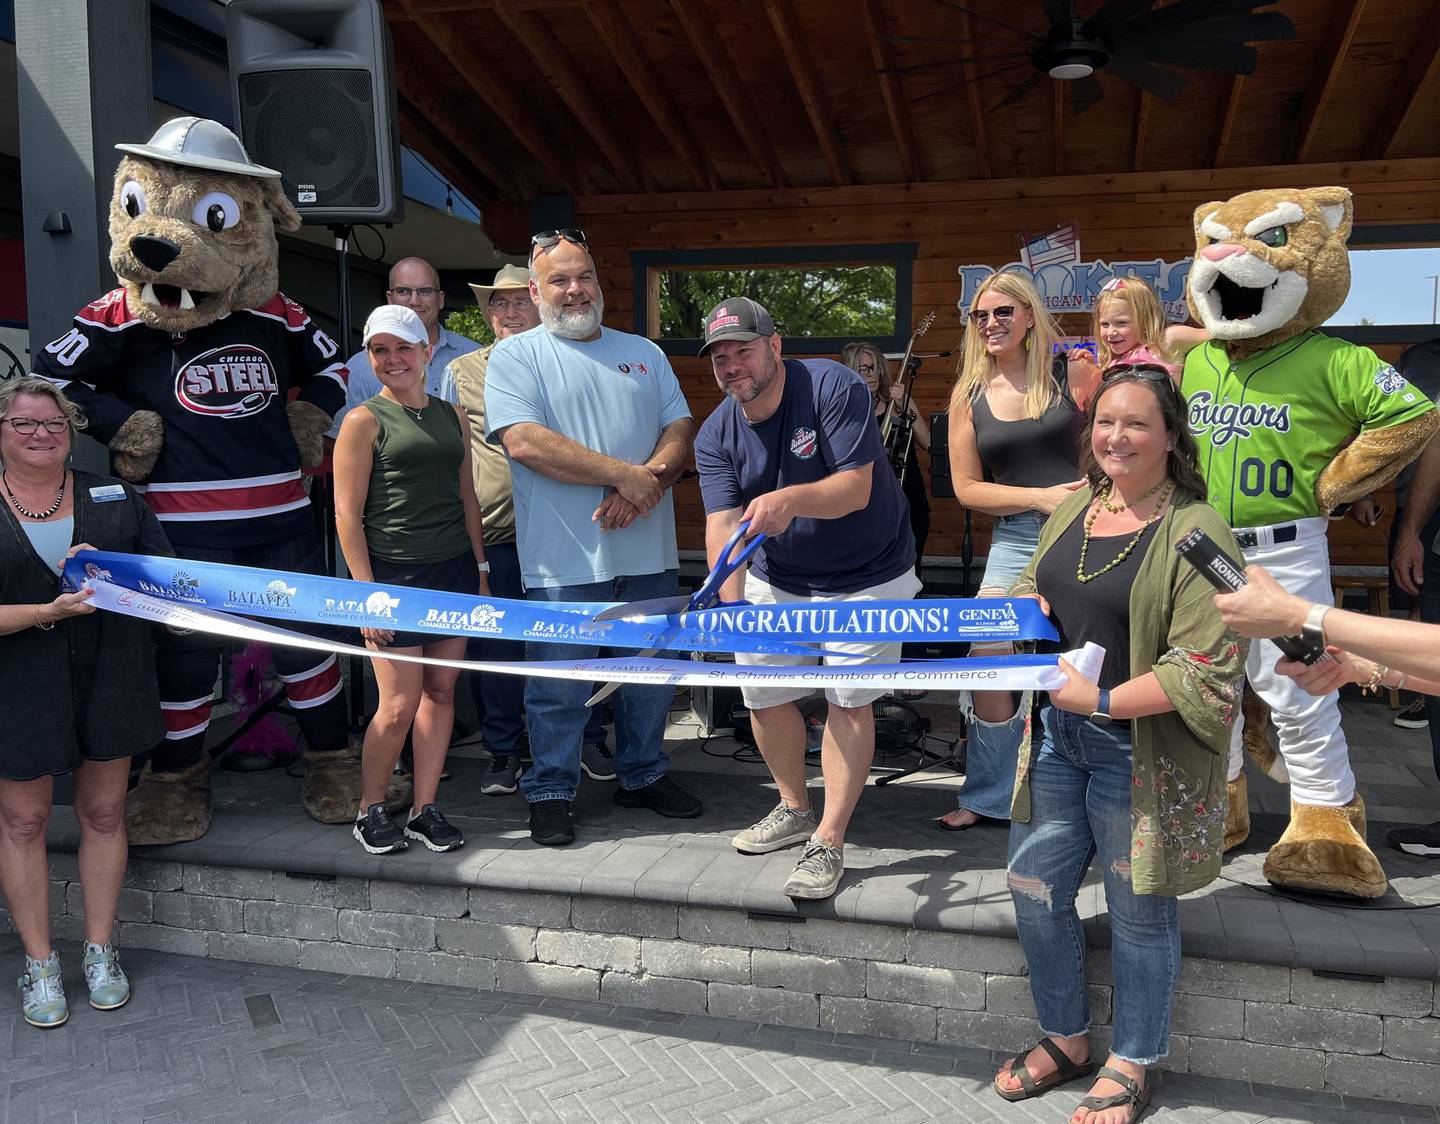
614	685
653	607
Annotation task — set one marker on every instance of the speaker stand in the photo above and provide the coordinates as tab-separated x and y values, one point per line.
342	232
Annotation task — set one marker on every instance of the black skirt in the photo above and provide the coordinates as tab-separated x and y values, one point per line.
455	575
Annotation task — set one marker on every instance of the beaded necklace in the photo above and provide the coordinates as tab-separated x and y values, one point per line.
1094	514
51	510
1116	508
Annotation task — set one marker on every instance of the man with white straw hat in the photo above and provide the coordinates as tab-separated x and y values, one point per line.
499	699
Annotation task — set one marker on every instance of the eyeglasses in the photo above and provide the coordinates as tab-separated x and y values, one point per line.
26	426
1003	315
865	369
503	304
548	239
425	292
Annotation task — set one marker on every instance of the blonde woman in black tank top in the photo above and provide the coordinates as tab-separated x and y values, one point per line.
1008	403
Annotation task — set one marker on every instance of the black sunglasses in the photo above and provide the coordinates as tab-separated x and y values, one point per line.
1150	372
547	239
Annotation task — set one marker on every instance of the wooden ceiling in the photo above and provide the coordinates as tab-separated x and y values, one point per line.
514	99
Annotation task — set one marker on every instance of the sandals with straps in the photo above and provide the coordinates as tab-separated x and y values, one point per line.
1031	1086
1137	1098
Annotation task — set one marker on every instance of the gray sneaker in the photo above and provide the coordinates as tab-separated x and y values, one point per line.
818	872
42	995
105	978
781	828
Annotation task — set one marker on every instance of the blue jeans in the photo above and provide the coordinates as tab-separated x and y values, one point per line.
1080	785
990	752
557	712
1430	614
500	699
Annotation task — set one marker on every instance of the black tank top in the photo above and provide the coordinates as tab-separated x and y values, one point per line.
1033	452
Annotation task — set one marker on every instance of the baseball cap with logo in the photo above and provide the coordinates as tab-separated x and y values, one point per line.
396	320
738	318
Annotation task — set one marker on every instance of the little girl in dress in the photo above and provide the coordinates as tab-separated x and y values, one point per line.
1130	327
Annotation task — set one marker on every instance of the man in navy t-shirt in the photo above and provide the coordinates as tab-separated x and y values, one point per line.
793	449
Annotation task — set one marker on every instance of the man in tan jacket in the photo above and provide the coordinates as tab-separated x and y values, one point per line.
499	699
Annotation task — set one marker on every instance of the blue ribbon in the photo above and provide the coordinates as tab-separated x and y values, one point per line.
766	629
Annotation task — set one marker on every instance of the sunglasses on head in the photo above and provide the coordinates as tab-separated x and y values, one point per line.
1144	372
549	239
1003	315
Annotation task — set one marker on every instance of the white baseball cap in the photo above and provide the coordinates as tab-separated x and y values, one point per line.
396	320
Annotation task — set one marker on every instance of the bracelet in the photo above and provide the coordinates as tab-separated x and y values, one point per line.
1376	677
43	625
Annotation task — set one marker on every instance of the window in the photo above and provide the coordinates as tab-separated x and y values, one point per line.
820	297
1394	292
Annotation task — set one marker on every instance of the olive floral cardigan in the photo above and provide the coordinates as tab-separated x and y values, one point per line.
1180	758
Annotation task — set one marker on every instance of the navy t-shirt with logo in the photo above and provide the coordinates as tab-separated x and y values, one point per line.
823	425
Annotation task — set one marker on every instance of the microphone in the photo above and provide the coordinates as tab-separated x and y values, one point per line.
1227	575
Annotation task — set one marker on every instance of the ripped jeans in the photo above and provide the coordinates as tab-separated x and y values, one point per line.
1080	783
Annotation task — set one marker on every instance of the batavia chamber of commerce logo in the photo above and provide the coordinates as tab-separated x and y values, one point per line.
182	587
378	604
483	618
276	595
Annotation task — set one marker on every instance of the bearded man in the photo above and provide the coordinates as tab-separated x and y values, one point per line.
596	429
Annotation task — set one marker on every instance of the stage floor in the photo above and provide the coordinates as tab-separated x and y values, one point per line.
901	869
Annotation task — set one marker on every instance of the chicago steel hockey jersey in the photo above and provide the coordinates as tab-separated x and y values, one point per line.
229	471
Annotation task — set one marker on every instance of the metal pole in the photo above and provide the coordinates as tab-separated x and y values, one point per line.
1434	298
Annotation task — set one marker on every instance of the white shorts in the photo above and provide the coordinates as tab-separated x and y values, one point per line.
759	592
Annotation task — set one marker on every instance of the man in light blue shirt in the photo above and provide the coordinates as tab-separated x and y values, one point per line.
596	430
414	283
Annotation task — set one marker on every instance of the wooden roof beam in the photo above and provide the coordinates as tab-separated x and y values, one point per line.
972	97
438	150
1337	42
568	80
1058	95
1142	128
608	19
1227	119
891	90
478	73
700	28
412	86
797	58
1418	71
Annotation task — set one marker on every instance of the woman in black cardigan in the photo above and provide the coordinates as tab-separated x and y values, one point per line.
77	686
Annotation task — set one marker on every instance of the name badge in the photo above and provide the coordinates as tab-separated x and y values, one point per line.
108	493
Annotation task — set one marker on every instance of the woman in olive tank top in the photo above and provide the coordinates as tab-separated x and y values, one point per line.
1014	454
406	514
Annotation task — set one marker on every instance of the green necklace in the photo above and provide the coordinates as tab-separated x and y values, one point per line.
1094	514
1116	508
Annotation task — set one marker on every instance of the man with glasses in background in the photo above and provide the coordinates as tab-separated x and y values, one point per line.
596	429
415	283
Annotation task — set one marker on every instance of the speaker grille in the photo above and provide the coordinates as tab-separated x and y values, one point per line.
317	128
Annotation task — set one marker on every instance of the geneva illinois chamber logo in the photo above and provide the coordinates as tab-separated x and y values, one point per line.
803	443
235	381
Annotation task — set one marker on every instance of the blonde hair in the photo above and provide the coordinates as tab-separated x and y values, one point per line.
977	366
1145	312
12	389
854	353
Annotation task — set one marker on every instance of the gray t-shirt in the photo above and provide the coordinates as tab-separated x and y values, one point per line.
613	395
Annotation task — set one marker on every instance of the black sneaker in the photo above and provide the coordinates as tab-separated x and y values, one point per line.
597	762
1416	840
502	778
550	823
1414	716
663	796
434	830
377	832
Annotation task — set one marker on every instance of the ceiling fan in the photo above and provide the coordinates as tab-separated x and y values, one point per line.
1134	40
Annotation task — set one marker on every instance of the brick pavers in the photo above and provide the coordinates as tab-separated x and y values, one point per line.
208	1040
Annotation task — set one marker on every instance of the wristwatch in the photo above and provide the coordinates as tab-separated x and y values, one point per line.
1313	630
1100	716
483	567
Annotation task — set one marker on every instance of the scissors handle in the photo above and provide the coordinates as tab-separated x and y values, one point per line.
709	593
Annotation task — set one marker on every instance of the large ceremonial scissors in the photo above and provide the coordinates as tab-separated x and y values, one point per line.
706	597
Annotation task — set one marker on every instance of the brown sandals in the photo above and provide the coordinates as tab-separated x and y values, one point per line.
1137	1098
1065	1071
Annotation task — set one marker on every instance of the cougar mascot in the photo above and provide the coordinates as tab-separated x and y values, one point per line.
186	372
1291	424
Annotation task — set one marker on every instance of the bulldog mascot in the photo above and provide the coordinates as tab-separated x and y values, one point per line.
1292	424
185	371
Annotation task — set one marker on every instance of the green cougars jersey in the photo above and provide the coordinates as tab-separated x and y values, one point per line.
1268	426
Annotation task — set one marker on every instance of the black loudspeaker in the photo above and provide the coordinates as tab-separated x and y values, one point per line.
940	485
313	86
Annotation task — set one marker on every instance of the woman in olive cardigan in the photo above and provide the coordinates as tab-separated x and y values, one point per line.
1130	770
